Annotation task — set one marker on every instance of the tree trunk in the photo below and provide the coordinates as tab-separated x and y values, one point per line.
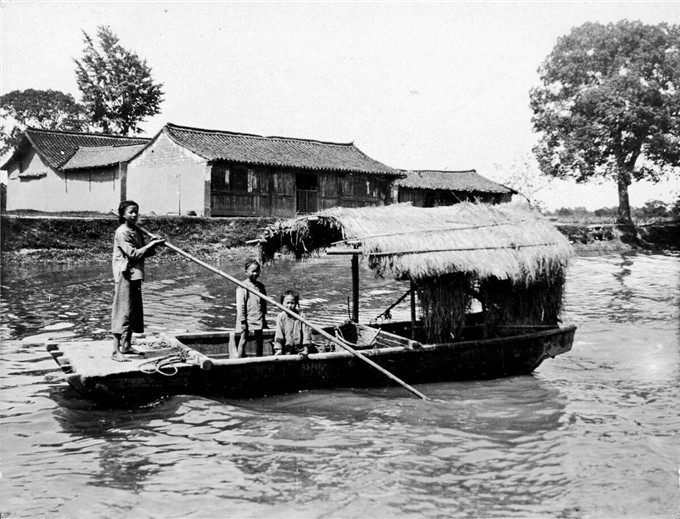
624	203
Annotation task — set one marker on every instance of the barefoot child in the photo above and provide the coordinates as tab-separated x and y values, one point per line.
292	336
129	251
251	310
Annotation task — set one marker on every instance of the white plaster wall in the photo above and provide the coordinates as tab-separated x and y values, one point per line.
58	191
97	190
167	179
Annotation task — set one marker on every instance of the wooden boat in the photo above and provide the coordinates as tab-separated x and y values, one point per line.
199	363
510	262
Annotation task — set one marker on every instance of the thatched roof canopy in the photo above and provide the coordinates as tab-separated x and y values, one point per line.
500	241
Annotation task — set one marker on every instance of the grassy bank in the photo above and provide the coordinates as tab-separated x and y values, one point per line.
64	239
612	237
76	238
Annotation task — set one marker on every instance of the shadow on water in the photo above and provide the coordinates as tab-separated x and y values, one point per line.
123	461
458	437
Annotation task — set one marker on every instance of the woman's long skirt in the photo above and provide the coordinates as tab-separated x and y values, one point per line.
127	314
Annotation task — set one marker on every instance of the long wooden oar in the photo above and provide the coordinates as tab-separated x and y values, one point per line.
289	312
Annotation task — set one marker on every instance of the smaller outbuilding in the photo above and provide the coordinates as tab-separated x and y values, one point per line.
59	171
432	188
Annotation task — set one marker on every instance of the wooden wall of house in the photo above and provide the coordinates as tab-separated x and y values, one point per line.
353	190
416	196
240	190
34	185
434	198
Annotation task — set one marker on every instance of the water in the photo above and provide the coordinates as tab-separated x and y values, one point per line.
593	433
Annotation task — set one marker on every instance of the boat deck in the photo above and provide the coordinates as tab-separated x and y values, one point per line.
200	364
93	358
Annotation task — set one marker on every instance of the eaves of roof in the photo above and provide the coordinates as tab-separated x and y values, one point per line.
214	145
56	148
102	156
465	181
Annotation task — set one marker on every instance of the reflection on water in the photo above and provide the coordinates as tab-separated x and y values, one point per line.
593	433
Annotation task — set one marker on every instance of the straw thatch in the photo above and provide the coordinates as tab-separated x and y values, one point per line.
500	241
511	260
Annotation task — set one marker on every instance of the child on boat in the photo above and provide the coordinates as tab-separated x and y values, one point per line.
129	251
292	336
251	310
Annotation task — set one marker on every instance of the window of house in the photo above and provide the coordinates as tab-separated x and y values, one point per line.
306	181
219	177
345	185
253	181
238	179
361	187
328	186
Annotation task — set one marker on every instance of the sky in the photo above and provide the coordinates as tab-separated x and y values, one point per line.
427	85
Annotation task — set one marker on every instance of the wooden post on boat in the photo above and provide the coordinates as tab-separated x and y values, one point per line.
413	310
355	288
303	320
355	277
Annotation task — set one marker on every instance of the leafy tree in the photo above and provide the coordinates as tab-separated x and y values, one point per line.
654	209
609	212
118	90
674	208
609	105
44	109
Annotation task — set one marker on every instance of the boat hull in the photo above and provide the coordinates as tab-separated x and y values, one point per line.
134	382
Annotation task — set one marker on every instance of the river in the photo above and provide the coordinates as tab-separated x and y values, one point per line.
593	433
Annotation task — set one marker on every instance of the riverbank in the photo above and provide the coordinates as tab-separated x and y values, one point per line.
615	237
66	239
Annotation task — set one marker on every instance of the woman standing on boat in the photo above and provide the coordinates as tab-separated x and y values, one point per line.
129	251
251	310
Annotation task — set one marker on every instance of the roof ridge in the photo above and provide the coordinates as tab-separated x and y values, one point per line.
80	134
100	148
441	170
243	134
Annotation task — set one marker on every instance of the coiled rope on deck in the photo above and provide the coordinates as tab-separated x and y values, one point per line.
166	365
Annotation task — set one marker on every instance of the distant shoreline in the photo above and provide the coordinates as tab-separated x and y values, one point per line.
40	239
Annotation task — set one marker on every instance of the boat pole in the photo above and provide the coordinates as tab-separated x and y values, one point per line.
303	320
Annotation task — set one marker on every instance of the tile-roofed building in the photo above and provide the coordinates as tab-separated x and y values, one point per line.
68	171
56	148
428	188
185	170
221	173
257	150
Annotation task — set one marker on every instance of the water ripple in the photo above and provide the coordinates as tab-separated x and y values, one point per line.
564	442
